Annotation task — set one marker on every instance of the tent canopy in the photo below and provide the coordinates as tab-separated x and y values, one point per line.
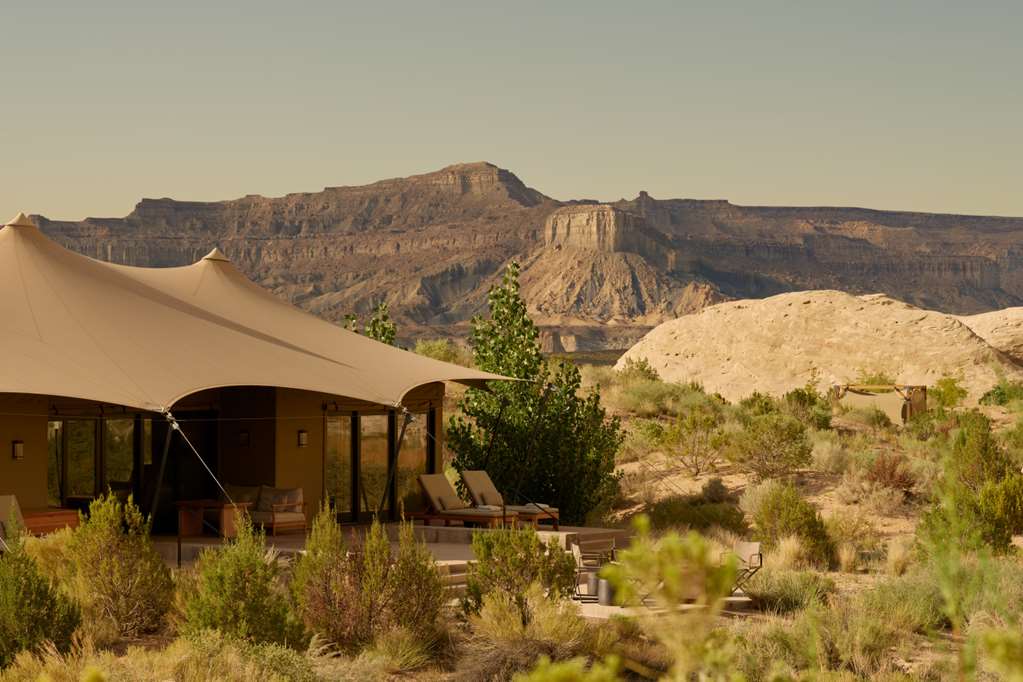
145	338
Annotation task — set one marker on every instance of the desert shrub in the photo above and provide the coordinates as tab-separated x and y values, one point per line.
855	538
694	437
444	350
511	561
692	512
642	438
922	426
788	554
32	609
855	488
543	437
781	591
123	582
781	511
809	406
900	555
572	670
891	471
238	589
849	637
757	404
1000	508
1003	393
874	377
714	491
503	642
206	655
637	368
911	603
947	393
770	445
651	398
353	598
829	455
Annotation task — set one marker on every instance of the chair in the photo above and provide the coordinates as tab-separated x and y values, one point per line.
484	492
587	563
279	509
750	560
447	506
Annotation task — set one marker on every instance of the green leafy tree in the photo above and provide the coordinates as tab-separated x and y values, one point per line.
380	326
947	393
539	438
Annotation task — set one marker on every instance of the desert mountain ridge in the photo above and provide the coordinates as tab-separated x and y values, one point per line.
595	275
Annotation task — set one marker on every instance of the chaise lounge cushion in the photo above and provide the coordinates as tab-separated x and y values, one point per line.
452	502
243	493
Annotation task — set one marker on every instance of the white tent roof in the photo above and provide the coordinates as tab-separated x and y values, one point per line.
147	337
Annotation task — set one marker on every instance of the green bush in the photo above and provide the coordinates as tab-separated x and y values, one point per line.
32	609
123	582
770	445
809	406
444	350
946	393
1003	393
238	589
786	591
694	437
542	438
780	511
757	404
510	561
693	512
633	369
910	603
354	598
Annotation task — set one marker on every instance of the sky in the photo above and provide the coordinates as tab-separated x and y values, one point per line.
894	105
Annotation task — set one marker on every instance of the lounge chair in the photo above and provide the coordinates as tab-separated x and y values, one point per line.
447	506
276	509
484	492
750	560
587	564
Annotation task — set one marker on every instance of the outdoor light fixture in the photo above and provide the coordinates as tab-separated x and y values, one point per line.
17	450
303	438
243	439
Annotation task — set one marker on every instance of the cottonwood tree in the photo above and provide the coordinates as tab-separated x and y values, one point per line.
379	328
539	438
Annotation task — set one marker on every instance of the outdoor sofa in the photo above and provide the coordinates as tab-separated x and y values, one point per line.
483	492
445	505
276	509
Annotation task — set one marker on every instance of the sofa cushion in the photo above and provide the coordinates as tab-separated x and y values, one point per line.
266	518
270	496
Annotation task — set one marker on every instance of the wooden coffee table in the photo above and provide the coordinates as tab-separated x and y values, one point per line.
190	515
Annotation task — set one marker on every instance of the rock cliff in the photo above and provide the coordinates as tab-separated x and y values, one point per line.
595	275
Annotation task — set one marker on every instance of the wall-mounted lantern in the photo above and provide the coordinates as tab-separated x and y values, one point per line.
17	450
243	439
303	438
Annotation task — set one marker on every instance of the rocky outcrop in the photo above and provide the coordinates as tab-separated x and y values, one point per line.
1003	329
432	245
775	344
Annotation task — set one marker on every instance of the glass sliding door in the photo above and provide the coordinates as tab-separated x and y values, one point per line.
80	460
337	469
412	461
118	456
373	457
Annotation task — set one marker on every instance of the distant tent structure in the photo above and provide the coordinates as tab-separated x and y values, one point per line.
899	402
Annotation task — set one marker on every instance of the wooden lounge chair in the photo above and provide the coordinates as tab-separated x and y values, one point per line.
750	560
484	492
447	506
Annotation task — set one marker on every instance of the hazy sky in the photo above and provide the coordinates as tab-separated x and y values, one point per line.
907	105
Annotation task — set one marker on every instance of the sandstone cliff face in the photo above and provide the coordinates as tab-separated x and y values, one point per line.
1003	329
431	246
776	344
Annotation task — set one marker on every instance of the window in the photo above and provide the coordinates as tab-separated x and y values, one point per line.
55	464
118	455
338	467
373	456
80	458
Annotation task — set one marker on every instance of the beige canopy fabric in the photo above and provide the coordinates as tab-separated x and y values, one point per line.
76	327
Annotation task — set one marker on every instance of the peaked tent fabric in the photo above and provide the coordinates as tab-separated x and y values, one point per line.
145	338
